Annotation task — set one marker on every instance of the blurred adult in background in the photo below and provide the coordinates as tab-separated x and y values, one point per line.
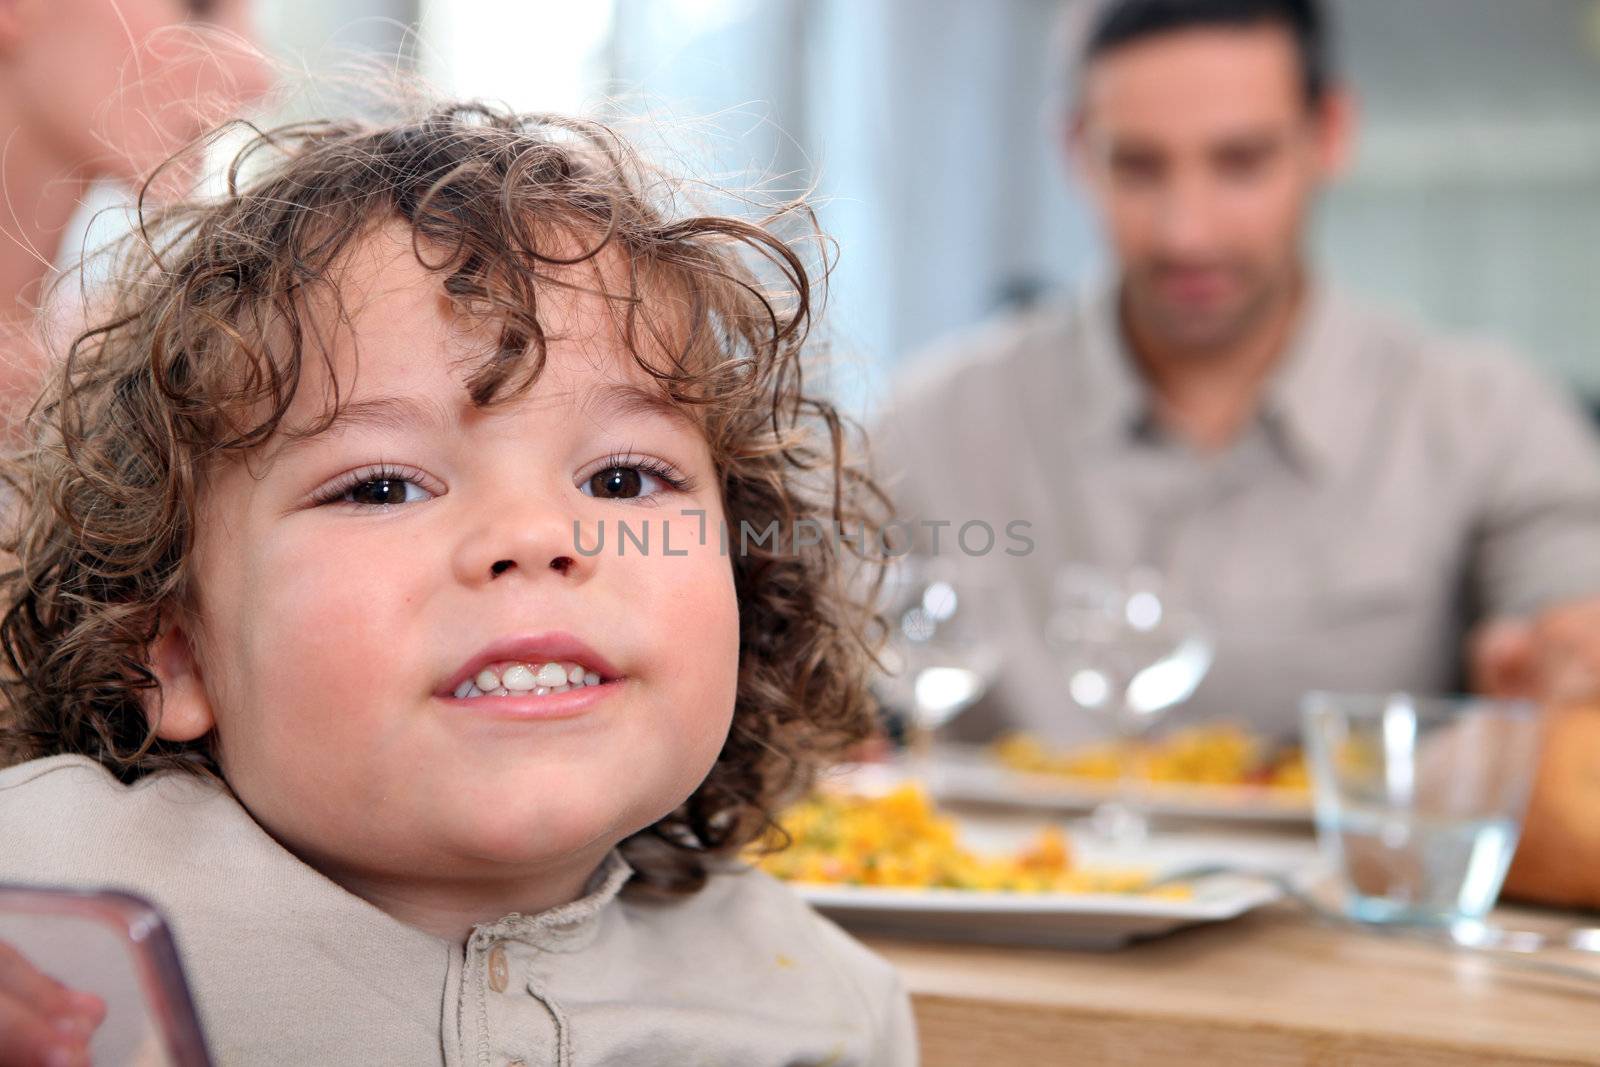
1350	500
99	90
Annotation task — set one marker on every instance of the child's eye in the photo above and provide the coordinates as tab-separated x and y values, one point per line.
380	491
376	488
631	479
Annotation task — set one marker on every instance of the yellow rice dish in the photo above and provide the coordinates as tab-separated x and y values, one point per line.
1205	755
900	840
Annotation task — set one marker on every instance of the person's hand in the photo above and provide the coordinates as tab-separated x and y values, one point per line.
42	1022
1554	658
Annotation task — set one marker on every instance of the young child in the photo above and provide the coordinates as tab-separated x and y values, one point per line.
309	640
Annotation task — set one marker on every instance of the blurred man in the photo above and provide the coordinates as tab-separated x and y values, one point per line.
1343	496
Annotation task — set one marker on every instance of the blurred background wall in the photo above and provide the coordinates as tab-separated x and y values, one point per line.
927	128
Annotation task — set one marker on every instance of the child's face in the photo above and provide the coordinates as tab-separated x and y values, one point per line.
334	629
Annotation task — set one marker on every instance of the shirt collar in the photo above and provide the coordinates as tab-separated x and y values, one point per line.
568	927
1308	403
1118	399
1305	407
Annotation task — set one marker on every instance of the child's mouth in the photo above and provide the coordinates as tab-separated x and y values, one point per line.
533	676
515	678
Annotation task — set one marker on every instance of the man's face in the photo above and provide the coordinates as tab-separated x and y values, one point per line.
1203	156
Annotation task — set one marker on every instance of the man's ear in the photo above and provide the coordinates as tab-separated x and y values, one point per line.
1074	140
181	709
1337	122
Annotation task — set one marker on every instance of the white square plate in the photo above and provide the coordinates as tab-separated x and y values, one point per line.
970	774
1063	920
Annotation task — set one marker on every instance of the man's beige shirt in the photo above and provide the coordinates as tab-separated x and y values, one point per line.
289	968
1394	487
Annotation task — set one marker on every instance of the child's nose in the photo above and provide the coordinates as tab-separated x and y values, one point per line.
561	565
519	543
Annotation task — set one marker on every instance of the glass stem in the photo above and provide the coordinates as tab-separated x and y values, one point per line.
1122	821
1128	785
919	743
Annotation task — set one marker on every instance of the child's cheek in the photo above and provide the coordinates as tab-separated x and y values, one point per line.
336	619
695	620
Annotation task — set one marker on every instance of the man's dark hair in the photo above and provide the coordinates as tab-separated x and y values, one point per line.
1122	22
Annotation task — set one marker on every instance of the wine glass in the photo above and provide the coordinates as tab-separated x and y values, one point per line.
1129	650
943	650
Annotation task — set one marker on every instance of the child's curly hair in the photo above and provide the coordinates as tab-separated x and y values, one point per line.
181	373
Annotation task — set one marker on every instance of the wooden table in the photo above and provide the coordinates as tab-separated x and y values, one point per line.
1268	989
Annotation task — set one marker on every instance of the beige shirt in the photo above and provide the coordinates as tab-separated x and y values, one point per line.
1394	487
289	968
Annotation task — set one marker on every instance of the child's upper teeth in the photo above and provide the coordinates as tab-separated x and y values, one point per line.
518	678
509	679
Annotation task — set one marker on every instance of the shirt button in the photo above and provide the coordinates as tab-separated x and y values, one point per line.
499	973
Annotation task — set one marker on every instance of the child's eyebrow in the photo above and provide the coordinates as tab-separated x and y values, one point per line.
619	401
383	412
612	401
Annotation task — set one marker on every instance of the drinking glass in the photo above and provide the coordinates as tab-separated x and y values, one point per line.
1129	650
1419	802
943	649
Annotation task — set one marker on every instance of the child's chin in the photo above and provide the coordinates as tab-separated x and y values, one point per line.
536	835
